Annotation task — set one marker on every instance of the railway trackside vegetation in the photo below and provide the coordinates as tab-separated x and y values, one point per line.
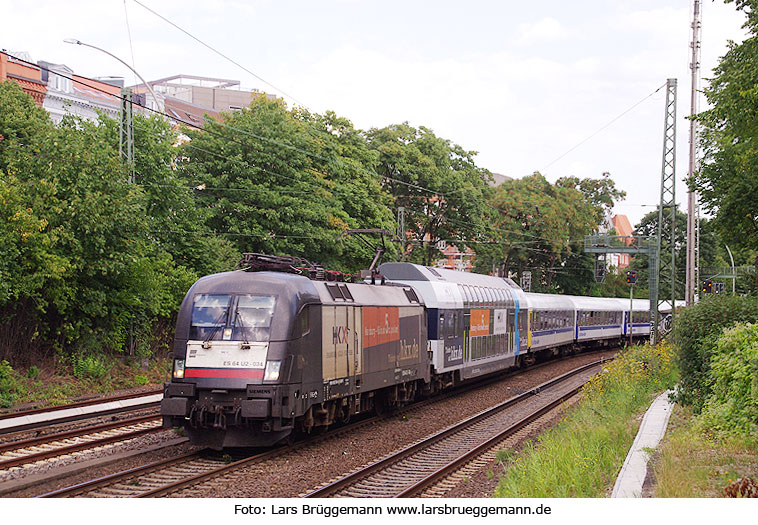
582	454
696	334
712	449
692	463
91	375
732	406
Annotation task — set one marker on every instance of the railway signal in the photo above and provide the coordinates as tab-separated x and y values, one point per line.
707	286
631	277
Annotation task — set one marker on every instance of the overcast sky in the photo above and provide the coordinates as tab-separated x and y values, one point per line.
522	83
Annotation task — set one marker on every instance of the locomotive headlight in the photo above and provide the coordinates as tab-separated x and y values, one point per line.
178	368
272	370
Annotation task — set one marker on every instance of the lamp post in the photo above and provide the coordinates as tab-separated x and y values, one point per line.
734	274
80	43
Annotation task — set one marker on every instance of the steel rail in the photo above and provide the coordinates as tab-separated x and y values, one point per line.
68	449
349	479
457	463
87	486
48	438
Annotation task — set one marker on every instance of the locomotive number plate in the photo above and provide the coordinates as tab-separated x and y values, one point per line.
226	354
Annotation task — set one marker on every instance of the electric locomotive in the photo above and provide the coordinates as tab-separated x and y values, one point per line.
261	354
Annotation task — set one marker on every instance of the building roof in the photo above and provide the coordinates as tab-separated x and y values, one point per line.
188	113
622	225
24	73
498	179
97	90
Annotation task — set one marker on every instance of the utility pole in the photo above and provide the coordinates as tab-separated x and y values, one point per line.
631	278
666	272
126	132
692	212
401	231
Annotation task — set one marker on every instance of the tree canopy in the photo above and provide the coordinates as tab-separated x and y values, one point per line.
540	227
728	178
287	182
80	267
438	183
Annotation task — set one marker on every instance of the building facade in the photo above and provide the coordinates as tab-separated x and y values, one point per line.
18	68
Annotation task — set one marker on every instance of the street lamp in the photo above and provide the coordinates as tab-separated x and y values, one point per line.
80	43
734	275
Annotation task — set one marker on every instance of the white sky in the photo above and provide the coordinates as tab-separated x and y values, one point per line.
519	82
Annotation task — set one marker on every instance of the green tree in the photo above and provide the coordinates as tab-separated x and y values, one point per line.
176	223
648	226
287	182
80	268
728	177
600	193
438	183
540	227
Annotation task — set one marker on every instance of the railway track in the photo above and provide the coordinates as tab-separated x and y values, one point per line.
18	421
412	470
184	473
51	446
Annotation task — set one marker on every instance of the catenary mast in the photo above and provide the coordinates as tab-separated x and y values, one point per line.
692	222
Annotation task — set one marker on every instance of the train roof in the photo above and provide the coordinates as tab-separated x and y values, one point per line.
545	301
403	271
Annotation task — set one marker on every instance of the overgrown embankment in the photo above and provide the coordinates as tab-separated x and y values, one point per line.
77	375
713	448
581	456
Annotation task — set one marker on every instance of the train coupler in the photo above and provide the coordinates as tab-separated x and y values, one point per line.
219	420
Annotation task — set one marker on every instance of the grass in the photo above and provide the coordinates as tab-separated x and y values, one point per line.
59	382
695	464
581	456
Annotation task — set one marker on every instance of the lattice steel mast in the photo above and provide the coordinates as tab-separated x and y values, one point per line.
665	272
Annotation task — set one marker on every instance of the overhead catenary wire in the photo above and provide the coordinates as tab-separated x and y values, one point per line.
602	128
219	53
279	143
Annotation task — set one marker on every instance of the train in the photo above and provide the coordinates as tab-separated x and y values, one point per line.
275	350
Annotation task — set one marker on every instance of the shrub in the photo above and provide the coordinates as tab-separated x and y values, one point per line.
10	386
141	380
89	366
733	403
695	333
33	372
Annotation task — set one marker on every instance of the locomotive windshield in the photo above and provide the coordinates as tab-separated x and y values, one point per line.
209	315
231	318
252	318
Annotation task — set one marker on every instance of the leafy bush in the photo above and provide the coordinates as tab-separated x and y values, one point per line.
89	366
695	333
33	372
733	403
10	386
141	380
